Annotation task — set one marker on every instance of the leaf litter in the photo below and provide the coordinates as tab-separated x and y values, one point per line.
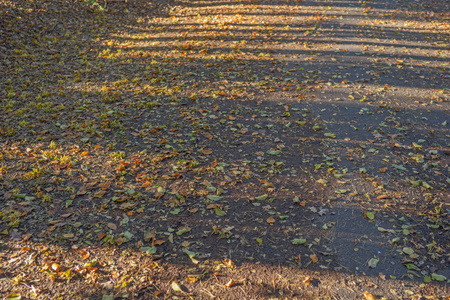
142	139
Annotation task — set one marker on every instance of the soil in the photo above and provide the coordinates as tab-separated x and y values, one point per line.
224	149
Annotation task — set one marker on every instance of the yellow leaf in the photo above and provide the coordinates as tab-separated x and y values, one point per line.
369	296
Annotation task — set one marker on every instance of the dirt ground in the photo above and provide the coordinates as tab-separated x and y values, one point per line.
221	149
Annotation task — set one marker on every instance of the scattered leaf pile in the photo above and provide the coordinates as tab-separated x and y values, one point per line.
209	148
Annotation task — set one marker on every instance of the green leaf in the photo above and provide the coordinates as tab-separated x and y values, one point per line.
149	250
426	185
415	183
370	215
13	297
438	277
261	198
213	197
182	231
373	262
427	279
191	255
276	152
412	267
108	297
408	250
317	127
176	211
298	241
259	240
330	135
219	212
341	191
399	167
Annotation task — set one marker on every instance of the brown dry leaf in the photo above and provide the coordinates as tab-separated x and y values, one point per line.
27	236
303	203
84	254
384	196
382	170
206	152
158	195
214	164
193	211
369	296
101	236
213	206
230	283
150	236
99	194
112	226
185	244
314	258
103	185
270	220
68	235
157	242
115	274
119	241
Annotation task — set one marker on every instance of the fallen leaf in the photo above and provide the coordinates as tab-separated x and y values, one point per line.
55	267
369	296
373	262
307	280
314	258
68	235
370	215
112	226
230	283
176	287
298	241
229	263
438	277
381	229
